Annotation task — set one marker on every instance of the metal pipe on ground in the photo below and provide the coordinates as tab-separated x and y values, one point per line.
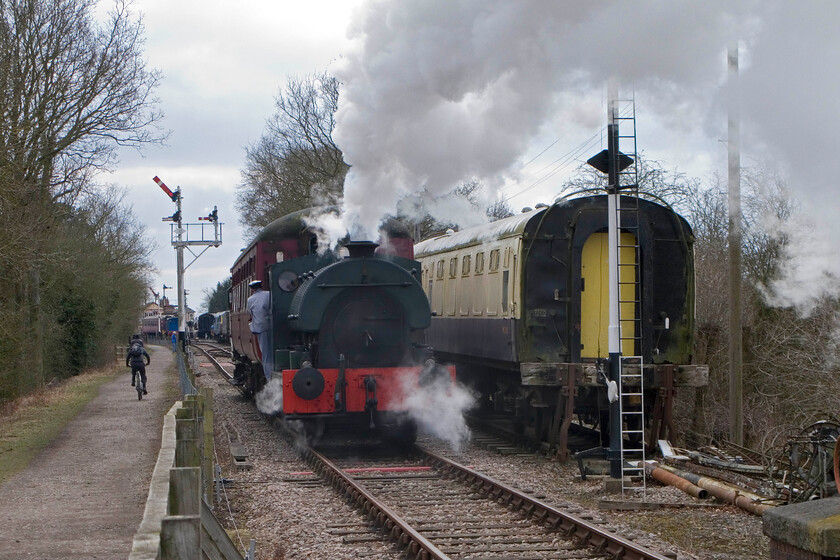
672	479
745	500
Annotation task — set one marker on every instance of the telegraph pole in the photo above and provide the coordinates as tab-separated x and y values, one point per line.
736	415
180	239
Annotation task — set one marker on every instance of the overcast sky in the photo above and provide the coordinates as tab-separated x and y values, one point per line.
435	92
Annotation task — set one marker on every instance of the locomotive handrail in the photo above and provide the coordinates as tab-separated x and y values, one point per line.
381	285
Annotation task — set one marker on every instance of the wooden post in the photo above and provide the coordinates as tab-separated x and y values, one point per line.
207	394
187	453
180	537
184	491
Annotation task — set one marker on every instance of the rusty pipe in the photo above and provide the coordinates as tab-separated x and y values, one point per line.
743	499
672	479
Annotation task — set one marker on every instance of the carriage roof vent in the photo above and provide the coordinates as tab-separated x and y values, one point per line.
361	248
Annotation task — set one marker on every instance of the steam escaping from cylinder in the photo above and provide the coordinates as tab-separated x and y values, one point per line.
438	408
270	398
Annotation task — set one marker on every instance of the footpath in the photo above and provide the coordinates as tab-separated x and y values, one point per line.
83	497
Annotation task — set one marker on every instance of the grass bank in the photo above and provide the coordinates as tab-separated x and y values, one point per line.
29	424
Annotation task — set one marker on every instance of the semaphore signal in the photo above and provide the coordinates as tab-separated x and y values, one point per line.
180	237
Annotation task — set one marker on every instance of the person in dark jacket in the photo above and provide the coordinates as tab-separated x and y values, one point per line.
137	358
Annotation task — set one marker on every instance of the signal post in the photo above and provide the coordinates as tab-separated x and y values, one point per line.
183	236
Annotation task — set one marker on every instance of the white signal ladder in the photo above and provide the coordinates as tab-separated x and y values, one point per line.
631	393
631	369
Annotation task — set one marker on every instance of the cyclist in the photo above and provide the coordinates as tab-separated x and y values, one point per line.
137	358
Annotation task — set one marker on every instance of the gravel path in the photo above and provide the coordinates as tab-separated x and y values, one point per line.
83	496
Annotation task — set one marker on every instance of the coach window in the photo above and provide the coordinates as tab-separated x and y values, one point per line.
465	266
505	284
440	269
479	263
453	267
494	260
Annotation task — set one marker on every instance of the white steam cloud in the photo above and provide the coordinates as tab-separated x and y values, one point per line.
270	398
436	93
438	408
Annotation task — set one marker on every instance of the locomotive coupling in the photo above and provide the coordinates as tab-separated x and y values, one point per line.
371	401
370	393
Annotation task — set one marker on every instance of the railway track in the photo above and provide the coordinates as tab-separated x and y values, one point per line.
457	511
439	509
213	351
432	507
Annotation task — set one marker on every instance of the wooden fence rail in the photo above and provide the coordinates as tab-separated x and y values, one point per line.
179	511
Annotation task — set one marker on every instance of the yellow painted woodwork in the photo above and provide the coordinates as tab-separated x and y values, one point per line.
594	299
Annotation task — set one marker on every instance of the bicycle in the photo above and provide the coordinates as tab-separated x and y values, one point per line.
140	386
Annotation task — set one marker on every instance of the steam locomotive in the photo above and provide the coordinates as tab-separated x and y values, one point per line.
520	305
347	328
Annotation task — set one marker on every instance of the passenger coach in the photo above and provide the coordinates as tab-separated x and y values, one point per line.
521	306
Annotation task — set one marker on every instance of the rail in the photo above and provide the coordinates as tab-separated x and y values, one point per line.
419	547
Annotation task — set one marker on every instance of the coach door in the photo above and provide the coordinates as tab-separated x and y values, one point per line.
594	297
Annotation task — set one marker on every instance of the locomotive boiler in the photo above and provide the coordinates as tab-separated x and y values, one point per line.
348	328
520	305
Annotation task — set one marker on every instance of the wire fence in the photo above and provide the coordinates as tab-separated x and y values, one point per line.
186	366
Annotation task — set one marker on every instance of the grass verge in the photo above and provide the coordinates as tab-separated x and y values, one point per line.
29	424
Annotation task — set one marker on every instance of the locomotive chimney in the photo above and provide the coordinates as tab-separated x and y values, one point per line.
359	249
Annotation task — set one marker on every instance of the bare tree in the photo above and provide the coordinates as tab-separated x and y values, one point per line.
73	93
296	163
670	186
790	362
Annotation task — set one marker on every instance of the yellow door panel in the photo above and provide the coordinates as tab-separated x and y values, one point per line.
594	299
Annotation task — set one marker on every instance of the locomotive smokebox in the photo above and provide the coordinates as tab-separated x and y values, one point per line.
359	249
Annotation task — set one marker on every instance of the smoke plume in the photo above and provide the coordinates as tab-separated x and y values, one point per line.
436	93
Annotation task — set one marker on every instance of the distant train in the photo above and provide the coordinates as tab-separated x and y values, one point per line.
204	325
221	326
158	324
347	329
520	305
151	326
